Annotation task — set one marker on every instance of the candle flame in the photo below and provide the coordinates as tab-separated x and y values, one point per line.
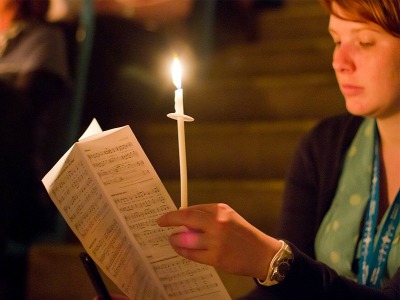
176	73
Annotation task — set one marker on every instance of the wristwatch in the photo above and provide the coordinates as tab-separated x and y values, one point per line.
279	266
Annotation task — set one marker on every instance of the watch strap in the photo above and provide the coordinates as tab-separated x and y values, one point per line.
279	266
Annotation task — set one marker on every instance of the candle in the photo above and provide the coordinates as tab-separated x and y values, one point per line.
180	117
177	80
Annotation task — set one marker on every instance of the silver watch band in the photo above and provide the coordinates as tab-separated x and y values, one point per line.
279	266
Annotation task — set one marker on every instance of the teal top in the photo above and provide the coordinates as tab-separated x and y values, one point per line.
337	240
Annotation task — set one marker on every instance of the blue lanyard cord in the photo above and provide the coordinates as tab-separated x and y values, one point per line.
373	260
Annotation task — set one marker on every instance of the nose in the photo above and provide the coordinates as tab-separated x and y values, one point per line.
342	59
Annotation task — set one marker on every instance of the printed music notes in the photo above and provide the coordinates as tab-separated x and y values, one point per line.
110	195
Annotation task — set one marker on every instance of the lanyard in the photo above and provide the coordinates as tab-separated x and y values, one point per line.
373	260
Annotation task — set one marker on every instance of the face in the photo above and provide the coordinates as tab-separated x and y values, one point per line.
366	61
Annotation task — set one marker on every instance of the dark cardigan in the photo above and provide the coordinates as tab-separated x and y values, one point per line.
310	188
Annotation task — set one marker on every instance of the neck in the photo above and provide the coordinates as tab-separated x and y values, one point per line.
389	131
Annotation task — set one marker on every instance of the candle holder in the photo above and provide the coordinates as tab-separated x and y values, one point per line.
176	116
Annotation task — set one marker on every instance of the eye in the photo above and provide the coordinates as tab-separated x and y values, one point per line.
366	41
366	44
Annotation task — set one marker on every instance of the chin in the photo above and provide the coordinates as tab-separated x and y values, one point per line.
360	112
356	108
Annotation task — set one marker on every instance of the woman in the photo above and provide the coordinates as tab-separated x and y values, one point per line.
344	184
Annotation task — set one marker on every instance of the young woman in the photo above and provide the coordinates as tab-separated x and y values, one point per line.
340	221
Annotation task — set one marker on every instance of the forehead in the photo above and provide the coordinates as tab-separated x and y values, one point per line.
340	14
337	24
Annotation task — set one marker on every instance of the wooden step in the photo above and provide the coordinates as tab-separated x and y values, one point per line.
56	272
301	96
225	150
258	201
303	18
267	98
274	57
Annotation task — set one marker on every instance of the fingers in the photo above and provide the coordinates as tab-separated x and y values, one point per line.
192	245
188	239
198	220
196	217
216	235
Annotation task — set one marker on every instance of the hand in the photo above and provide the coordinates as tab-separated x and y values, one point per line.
218	236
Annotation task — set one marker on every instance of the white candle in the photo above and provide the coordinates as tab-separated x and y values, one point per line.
177	80
179	101
182	162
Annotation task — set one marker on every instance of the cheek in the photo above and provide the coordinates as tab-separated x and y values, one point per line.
384	92
387	68
387	84
382	77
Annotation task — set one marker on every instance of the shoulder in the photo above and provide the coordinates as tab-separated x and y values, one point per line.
39	39
43	32
322	149
335	132
337	126
43	47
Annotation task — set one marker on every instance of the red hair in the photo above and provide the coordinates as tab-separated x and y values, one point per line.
385	13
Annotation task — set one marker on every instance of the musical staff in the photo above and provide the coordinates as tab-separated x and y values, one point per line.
110	196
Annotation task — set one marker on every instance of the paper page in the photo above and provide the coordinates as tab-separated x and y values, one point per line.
92	129
139	196
128	179
89	215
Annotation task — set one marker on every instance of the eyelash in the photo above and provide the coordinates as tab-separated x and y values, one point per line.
366	45
362	44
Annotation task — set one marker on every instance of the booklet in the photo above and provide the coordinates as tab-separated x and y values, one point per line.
110	196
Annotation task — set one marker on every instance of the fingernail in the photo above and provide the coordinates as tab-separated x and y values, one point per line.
159	219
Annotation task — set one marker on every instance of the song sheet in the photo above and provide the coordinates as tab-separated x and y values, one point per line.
110	195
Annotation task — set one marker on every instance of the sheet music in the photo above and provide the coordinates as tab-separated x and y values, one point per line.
112	207
89	215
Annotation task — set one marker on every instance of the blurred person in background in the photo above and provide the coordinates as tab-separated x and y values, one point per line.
35	92
142	11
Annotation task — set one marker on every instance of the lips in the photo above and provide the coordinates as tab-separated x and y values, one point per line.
351	90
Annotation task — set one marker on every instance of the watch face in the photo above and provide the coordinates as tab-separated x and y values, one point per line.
281	271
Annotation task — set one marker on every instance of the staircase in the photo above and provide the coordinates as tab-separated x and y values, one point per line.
251	104
251	109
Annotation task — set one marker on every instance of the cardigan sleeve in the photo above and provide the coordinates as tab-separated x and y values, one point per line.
309	279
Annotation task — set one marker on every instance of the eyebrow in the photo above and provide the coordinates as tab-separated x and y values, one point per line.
356	30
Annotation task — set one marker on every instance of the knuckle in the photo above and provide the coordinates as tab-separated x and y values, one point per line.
224	214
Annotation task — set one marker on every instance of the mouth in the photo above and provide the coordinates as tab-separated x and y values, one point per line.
351	90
